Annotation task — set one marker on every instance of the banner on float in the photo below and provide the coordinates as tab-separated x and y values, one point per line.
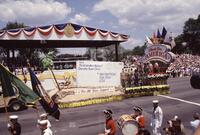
158	52
98	74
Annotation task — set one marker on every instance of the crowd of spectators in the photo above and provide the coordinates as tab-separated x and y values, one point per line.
184	65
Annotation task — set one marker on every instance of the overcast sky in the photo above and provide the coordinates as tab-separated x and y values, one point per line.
136	18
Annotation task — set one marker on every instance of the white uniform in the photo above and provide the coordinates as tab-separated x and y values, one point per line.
194	124
48	123
47	132
156	122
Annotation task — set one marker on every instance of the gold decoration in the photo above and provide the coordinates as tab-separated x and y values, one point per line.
69	30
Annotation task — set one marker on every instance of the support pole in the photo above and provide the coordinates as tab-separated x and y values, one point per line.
96	53
116	52
6	109
54	77
8	57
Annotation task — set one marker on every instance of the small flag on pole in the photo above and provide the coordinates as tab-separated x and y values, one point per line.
149	42
169	39
164	32
158	33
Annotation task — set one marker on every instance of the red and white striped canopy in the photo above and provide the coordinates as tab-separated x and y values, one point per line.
59	35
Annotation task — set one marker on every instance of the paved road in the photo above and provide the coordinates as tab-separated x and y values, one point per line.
89	120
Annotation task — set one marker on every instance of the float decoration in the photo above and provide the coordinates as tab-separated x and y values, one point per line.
157	57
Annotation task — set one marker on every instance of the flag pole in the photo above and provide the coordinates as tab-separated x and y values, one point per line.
54	77
36	107
6	109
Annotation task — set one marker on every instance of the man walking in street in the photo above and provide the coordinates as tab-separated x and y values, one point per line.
44	117
44	129
110	128
14	127
139	117
157	118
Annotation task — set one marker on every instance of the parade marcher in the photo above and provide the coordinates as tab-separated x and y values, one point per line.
44	117
14	127
139	117
44	129
157	118
110	128
195	123
143	132
175	127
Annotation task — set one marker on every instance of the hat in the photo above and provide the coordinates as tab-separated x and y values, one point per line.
175	117
137	108
43	115
196	115
13	117
155	101
108	111
42	122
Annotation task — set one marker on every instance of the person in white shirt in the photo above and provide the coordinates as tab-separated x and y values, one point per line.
44	129
157	118
44	117
195	123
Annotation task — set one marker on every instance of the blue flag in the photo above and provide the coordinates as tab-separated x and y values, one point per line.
164	32
158	34
46	102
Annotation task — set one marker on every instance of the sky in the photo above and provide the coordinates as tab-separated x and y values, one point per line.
137	18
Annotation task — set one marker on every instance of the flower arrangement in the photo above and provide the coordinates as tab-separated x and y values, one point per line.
147	90
91	101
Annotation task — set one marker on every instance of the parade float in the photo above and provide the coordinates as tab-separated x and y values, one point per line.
157	57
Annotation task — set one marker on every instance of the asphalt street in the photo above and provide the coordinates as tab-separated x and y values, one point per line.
183	101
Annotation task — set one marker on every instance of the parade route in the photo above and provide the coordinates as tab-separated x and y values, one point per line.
181	100
89	120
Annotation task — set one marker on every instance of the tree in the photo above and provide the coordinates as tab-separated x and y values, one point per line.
139	50
13	25
190	36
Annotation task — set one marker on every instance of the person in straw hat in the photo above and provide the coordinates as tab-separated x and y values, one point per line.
14	127
157	118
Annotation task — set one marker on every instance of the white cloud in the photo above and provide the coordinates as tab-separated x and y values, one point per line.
150	14
33	11
80	18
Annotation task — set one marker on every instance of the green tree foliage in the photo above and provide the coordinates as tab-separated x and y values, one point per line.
139	50
190	37
13	25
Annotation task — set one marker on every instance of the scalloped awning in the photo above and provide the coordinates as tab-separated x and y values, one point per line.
59	36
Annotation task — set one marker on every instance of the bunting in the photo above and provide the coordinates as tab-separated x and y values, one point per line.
58	29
